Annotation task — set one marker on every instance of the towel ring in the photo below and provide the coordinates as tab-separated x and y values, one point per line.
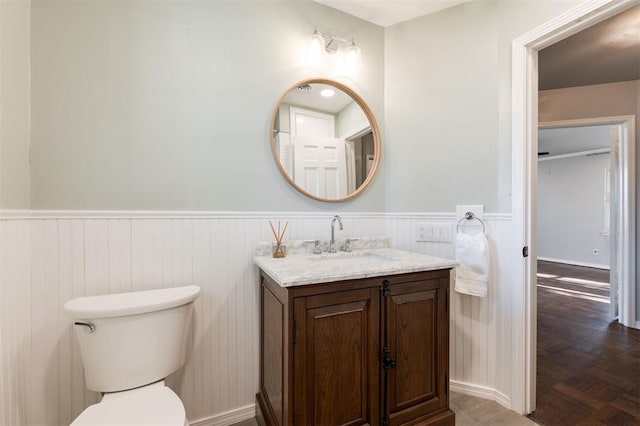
470	216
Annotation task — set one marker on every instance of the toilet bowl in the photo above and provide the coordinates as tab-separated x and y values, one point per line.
129	343
153	404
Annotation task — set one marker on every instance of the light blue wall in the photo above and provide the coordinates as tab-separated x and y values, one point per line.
166	105
448	104
14	104
571	209
349	118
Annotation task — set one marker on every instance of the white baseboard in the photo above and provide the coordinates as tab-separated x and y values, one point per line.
247	412
480	392
227	418
574	262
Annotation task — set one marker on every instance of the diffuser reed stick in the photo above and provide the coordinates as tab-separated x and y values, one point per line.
279	249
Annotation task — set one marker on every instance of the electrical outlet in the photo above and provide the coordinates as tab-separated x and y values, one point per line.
421	232
596	252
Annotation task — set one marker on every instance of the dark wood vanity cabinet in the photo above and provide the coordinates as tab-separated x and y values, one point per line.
370	351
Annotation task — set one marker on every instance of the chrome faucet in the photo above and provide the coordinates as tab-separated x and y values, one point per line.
332	243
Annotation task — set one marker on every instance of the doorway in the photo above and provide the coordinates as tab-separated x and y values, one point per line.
594	159
576	194
524	178
577	333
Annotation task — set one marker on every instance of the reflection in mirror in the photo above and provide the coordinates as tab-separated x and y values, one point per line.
325	140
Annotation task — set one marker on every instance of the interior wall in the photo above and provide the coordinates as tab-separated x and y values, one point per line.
14	104
601	100
448	126
166	105
571	210
349	118
448	104
49	258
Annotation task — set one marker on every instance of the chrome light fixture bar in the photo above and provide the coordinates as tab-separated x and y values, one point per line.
327	43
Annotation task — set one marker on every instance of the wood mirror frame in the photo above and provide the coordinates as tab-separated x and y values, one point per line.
373	124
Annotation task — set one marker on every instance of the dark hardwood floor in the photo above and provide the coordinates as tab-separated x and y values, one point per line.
588	364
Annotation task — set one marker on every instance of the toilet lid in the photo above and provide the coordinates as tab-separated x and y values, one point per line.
152	405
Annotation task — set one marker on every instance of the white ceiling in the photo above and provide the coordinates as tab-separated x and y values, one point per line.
389	12
604	53
312	99
573	139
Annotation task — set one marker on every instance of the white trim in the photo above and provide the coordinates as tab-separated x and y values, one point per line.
194	214
418	215
169	214
524	140
228	417
357	131
444	216
293	124
573	262
585	122
576	154
14	213
480	392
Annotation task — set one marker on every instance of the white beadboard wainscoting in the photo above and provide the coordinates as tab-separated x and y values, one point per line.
47	258
481	354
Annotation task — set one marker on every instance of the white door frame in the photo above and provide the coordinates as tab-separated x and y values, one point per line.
524	116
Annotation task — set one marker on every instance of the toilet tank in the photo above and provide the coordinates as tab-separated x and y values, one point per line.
132	339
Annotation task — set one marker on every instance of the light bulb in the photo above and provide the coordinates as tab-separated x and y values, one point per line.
352	58
315	49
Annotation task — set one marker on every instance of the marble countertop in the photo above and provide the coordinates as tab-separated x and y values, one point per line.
303	268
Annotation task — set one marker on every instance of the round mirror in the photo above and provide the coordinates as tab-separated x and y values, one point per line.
325	140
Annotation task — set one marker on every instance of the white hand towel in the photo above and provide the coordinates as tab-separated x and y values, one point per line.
472	276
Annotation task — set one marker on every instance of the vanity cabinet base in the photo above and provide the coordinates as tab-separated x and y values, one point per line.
371	351
448	418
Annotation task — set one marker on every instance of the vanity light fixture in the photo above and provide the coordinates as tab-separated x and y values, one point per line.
352	57
322	43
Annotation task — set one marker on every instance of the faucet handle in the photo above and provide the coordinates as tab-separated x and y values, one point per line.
347	244
316	246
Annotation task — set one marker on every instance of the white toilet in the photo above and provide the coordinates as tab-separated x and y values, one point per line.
129	343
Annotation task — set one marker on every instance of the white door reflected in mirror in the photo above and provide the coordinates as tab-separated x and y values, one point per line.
327	147
319	158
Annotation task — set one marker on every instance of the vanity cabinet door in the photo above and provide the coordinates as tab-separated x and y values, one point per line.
418	341
336	362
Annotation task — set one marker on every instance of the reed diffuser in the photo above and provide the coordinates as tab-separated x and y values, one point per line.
279	249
